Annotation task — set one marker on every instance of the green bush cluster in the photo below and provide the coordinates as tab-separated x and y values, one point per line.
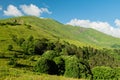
46	66
72	67
106	73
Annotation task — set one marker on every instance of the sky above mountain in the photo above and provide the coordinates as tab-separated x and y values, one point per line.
102	15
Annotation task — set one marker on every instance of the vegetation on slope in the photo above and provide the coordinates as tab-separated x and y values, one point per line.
37	45
29	25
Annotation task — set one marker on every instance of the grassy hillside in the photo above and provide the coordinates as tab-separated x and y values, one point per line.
57	39
52	29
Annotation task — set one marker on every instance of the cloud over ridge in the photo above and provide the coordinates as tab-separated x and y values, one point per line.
104	27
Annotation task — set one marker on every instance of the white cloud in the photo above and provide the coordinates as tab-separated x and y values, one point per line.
12	11
33	10
117	22
104	27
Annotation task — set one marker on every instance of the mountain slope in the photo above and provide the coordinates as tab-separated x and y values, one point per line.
48	28
20	52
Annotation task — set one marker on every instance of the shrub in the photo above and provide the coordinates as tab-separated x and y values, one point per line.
117	70
46	66
14	38
72	68
50	54
28	47
12	61
60	64
30	38
20	42
102	72
40	46
10	47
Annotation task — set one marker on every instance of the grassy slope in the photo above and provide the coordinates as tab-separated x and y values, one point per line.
84	35
8	73
47	28
52	29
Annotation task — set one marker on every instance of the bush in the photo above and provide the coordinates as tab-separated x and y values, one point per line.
117	70
12	61
50	54
20	41
105	73
46	66
40	46
28	47
72	68
10	47
60	64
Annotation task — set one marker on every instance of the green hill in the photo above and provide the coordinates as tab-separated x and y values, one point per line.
49	28
29	45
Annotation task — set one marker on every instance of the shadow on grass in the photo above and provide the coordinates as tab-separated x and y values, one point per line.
22	66
17	51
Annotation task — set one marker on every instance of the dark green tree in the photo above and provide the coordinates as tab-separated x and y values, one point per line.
50	54
41	46
61	65
46	66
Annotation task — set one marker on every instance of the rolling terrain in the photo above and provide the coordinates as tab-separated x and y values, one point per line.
87	47
52	29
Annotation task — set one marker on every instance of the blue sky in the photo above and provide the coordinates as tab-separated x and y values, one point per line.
65	10
96	14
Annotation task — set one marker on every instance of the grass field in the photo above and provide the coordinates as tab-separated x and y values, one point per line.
10	73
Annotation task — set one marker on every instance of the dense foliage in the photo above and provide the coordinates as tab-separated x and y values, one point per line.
68	59
46	66
104	73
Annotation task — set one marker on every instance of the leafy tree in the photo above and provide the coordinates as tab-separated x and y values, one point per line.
60	64
46	66
41	46
58	46
50	54
72	68
50	46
